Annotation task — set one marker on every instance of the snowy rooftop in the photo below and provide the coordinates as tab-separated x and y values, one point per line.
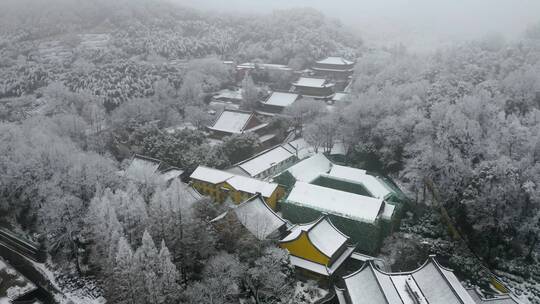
335	61
310	168
306	150
431	283
229	94
310	82
269	66
265	160
258	218
300	148
251	185
388	211
339	96
373	184
322	234
345	204
213	176
241	183
142	166
232	121
171	173
266	137
281	99
309	265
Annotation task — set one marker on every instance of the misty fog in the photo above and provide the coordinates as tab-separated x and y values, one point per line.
418	24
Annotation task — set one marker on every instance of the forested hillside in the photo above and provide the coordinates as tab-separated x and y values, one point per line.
85	84
117	50
467	121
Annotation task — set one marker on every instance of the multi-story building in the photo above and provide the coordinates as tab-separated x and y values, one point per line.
318	88
336	68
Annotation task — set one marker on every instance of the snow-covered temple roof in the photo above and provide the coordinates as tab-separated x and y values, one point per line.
210	175
265	160
311	82
263	66
258	217
339	96
252	185
241	183
300	148
322	234
335	61
281	99
142	165
345	204
235	121
429	284
373	184
229	94
310	168
327	239
231	121
143	168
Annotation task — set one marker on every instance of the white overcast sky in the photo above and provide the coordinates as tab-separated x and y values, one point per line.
416	23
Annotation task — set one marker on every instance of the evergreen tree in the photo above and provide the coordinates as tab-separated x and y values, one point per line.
104	230
146	263
168	276
131	210
250	93
122	286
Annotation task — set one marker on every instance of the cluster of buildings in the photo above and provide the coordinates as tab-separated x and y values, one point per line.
331	218
327	81
320	251
328	216
312	195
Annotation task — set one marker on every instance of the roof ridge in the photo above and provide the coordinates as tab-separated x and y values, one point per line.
259	154
251	115
333	226
299	226
259	195
404	272
372	268
136	155
439	269
315	246
415	282
217	118
317	222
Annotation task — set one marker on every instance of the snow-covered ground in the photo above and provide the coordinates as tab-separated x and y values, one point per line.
70	295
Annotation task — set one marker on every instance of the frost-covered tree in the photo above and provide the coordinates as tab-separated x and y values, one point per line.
221	283
270	278
168	277
131	210
250	93
303	111
104	231
122	286
239	147
322	133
